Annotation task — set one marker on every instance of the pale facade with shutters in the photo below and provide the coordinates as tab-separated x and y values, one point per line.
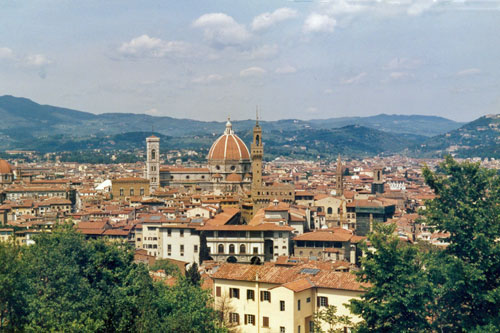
259	299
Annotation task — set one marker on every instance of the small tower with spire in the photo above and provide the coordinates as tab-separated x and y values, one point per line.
340	178
257	154
153	162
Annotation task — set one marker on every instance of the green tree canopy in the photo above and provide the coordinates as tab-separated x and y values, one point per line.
466	274
66	283
399	294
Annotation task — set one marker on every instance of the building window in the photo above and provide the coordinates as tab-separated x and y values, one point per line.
265	321
131	192
265	296
308	300
249	319
122	192
322	301
217	291
282	305
234	318
182	250
169	232
242	249
221	248
298	305
153	154
329	210
196	249
282	329
231	248
141	191
255	250
182	232
298	329
234	293
250	294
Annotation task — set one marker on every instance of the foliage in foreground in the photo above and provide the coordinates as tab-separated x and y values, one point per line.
66	283
452	290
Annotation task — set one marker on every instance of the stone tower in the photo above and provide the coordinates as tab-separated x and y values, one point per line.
378	180
340	178
153	162
257	151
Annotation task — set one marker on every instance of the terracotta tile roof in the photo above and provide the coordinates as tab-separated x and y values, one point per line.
325	236
229	147
299	285
293	277
244	227
223	217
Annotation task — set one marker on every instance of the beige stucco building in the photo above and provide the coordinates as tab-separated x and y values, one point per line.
281	299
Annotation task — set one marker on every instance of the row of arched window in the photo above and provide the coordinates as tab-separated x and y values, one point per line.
232	248
329	210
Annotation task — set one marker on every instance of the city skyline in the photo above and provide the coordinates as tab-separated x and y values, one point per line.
305	60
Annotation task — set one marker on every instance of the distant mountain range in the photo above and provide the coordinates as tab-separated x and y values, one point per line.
25	124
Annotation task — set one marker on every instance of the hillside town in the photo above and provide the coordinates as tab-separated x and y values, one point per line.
265	235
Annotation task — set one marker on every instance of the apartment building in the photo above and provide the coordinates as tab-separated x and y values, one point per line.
274	298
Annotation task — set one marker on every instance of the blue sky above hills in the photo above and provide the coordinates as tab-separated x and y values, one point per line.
294	59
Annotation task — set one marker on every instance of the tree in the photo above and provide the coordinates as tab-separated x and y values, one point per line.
167	266
399	292
66	283
224	307
12	282
328	317
192	275
466	274
204	253
185	308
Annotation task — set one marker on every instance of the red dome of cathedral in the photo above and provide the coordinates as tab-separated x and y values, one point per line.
229	147
5	167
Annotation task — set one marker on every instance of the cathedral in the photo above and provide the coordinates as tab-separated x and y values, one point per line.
230	168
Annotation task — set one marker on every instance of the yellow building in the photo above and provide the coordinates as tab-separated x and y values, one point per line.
130	187
278	298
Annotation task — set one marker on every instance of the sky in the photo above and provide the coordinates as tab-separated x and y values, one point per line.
208	60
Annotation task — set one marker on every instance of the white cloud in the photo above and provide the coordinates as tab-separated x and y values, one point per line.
206	79
417	7
341	7
252	71
319	23
285	70
355	79
266	20
151	47
6	53
37	60
468	71
221	29
328	91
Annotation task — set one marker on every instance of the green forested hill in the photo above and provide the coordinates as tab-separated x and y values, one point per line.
27	125
479	138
